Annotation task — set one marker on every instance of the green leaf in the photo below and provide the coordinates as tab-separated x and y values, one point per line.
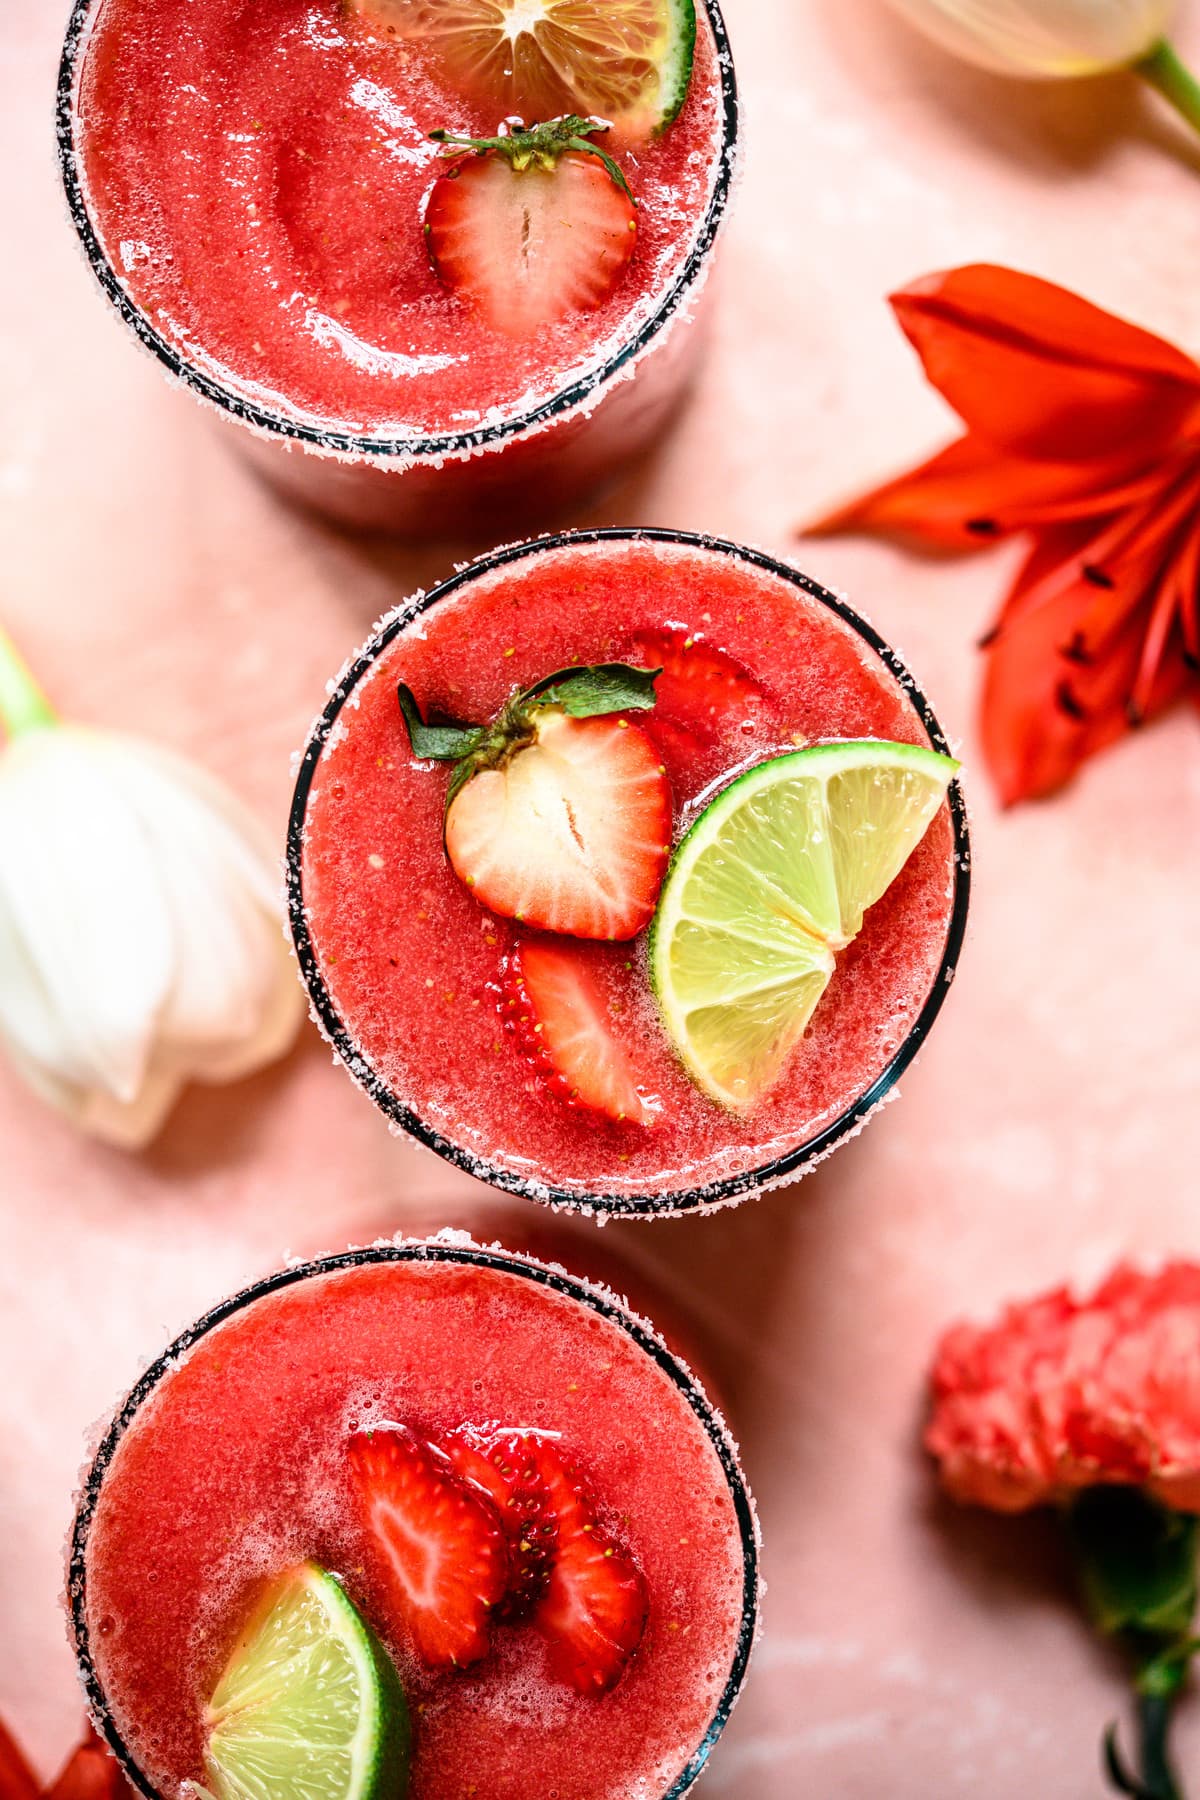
436	743
1165	1674
585	692
1136	1560
589	692
540	146
470	765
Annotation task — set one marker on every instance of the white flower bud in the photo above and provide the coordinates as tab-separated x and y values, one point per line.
1043	37
140	931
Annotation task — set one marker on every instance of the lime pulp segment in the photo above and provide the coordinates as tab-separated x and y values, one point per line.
769	884
310	1706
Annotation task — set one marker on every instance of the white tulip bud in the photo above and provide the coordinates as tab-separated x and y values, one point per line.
1043	37
141	942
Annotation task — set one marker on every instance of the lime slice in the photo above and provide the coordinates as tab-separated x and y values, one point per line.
628	61
769	884
310	1706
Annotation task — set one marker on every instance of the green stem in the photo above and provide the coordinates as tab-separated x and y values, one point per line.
1154	1725
1163	69
1155	1778
23	705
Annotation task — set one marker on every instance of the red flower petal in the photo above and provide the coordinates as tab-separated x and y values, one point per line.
17	1780
1085	431
1063	669
1040	372
1063	1394
1187	585
967	496
91	1773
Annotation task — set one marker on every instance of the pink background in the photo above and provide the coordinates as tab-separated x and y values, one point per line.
1052	1124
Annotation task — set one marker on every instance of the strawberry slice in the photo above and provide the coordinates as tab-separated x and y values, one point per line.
531	228
559	811
702	689
504	1464
572	833
591	1600
594	1610
556	1009
440	1539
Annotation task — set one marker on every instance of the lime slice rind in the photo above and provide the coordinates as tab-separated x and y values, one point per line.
310	1706
626	61
675	67
770	882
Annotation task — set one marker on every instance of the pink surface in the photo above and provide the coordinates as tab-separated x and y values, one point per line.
1052	1124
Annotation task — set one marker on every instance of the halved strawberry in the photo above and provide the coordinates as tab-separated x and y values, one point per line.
559	811
572	833
441	1541
556	1010
702	689
504	1464
532	227
594	1610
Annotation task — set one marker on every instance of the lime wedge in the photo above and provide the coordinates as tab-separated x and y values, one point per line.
627	61
769	884
310	1706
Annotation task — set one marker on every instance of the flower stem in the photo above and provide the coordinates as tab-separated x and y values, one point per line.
1154	1725
23	705
1164	70
1155	1778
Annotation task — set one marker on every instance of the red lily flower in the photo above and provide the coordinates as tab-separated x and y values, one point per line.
1083	431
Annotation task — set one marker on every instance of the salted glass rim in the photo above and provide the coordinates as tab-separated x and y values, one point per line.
598	1298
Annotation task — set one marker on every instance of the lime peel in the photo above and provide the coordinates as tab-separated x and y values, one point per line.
675	63
625	61
768	885
309	1706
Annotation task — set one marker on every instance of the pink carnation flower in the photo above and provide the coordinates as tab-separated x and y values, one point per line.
1065	1394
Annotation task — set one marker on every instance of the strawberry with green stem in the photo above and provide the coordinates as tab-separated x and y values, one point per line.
559	812
531	226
